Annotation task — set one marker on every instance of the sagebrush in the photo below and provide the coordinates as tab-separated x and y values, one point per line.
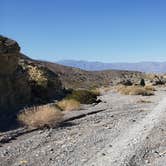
69	104
134	90
40	116
83	96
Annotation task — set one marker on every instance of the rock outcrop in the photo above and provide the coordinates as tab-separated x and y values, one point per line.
23	81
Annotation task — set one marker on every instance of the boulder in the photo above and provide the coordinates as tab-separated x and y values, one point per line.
8	45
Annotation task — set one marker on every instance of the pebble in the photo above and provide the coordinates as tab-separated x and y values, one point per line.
103	154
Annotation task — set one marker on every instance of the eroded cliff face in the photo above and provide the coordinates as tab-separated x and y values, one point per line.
23	82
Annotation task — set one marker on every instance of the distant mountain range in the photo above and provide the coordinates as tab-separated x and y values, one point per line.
148	67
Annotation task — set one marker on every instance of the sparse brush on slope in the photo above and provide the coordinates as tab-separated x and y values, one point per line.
40	116
134	90
69	104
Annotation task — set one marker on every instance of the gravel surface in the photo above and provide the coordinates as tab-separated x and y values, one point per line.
127	132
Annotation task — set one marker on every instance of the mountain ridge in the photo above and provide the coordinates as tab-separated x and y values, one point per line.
144	66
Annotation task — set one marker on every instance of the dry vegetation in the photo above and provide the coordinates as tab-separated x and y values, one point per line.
83	96
150	87
50	115
96	91
37	75
69	104
80	79
105	89
135	90
40	116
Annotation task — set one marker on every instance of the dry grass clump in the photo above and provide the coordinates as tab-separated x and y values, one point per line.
140	91
119	88
105	89
69	104
96	91
150	87
134	90
40	116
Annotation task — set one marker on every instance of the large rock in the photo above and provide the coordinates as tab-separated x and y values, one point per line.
8	45
23	82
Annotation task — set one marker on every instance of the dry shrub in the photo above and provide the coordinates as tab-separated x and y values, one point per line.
96	91
103	90
83	96
69	104
40	116
150	87
120	87
37	75
140	91
134	90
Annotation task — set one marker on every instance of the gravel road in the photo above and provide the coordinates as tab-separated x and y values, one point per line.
129	131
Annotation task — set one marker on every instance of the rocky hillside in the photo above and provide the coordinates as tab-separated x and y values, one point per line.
76	78
25	82
22	81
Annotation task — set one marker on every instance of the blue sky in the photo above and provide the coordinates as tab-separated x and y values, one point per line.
94	30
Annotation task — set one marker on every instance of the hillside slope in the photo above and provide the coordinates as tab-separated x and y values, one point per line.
76	78
23	82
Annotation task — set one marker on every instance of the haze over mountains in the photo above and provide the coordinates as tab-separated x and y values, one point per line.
149	67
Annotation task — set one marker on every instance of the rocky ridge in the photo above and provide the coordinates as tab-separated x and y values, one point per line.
23	82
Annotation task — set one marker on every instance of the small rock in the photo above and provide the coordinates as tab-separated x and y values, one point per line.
51	150
103	154
109	127
147	161
97	121
156	152
40	132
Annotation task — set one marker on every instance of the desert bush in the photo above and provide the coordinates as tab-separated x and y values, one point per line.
134	90
140	91
150	87
105	89
37	75
40	116
83	96
69	104
96	91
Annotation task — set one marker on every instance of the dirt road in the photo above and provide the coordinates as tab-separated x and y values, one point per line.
131	131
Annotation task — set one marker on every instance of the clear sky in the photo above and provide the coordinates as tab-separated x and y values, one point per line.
94	30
